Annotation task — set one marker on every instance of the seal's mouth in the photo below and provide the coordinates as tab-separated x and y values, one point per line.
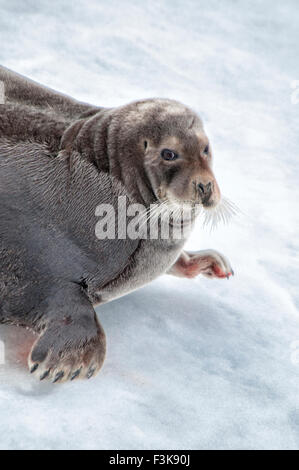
212	213
197	203
179	213
210	204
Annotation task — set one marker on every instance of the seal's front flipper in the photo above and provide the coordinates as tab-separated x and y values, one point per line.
209	263
72	342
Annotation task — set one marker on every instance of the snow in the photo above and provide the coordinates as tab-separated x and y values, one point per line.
191	364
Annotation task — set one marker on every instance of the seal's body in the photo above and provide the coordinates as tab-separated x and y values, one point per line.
59	160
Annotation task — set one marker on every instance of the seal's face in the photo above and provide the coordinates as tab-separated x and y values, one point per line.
178	157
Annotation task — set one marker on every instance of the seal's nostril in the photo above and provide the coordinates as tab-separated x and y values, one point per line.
205	190
201	189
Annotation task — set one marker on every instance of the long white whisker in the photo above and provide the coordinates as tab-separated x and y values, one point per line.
222	213
150	214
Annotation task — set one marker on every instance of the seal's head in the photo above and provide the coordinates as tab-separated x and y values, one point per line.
167	143
156	147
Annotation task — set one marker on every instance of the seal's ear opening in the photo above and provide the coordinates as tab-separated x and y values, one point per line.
145	144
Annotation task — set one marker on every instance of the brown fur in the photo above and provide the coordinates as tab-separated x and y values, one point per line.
59	159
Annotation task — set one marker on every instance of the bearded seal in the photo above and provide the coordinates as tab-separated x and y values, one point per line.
59	160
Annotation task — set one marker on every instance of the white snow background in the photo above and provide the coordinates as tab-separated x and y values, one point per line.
191	364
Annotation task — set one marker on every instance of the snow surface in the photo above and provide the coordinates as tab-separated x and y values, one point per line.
191	364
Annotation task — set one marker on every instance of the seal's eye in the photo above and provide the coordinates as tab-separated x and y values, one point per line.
169	155
206	150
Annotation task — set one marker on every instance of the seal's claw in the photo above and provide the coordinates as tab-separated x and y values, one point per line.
76	374
44	375
58	377
90	372
34	368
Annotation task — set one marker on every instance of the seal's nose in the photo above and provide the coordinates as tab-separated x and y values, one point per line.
205	191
